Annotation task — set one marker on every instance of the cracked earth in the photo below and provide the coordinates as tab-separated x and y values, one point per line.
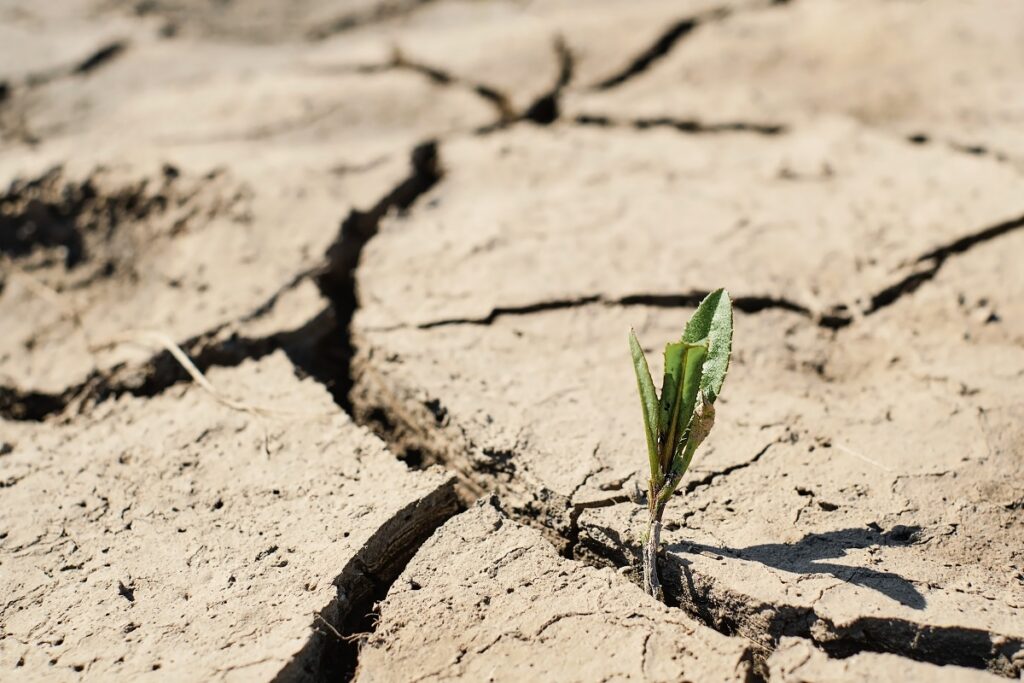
314	360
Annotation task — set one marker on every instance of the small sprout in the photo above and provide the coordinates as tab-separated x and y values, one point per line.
678	421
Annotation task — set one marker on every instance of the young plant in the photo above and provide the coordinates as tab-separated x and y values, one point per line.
678	421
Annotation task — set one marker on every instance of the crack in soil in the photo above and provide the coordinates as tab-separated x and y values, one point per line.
669	38
546	109
412	431
162	371
573	533
319	347
54	212
977	150
746	303
706	480
337	280
324	347
490	94
731	613
525	309
924	269
928	265
443	78
16	404
660	48
98	58
339	629
689	126
702	596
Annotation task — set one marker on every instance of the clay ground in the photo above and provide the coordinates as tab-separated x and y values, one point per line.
313	359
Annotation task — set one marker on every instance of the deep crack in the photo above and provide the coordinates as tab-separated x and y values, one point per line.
928	265
100	58
331	360
320	347
546	109
701	596
162	371
705	598
16	404
337	281
339	629
667	41
658	50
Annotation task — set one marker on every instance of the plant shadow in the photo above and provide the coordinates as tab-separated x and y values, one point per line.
803	557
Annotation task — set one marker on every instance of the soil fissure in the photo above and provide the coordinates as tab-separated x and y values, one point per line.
668	40
546	109
689	126
332	652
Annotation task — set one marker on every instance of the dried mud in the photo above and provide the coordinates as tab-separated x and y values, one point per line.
313	363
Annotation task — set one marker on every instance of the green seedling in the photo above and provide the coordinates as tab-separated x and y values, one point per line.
678	421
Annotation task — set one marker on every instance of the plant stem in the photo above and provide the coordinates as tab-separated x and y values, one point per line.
650	551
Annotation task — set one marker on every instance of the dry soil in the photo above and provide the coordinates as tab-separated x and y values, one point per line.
313	358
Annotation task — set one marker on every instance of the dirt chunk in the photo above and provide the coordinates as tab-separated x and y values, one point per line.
823	223
858	488
486	596
97	257
797	61
797	661
175	534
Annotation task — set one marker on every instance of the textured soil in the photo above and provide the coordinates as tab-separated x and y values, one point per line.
313	361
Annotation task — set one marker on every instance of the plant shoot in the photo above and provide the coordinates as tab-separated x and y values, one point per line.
678	421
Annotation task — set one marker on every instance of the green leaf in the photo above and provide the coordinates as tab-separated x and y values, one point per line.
671	383
712	321
701	422
649	404
678	393
692	379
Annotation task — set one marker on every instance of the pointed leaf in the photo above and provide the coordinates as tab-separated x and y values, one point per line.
713	321
670	386
700	426
692	378
682	369
648	402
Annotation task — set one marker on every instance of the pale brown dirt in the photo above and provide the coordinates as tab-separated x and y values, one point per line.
486	596
796	661
405	242
169	534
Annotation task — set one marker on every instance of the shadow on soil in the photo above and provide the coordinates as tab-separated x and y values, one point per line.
803	557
